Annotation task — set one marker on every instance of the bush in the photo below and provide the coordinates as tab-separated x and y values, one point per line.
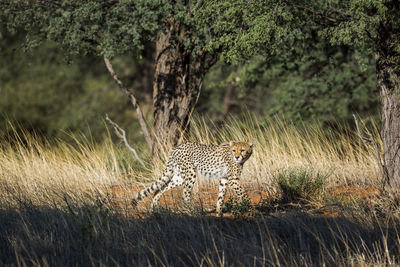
300	184
238	208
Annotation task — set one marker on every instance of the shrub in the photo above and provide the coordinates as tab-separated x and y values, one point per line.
238	208
300	184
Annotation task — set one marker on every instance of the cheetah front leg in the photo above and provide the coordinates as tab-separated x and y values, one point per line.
221	195
234	184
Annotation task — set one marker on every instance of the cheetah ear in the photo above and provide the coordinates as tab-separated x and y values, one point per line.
251	143
231	143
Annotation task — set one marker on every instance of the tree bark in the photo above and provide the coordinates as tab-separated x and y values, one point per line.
177	82
388	83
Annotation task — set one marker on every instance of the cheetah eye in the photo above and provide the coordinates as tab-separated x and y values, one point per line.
243	150
233	150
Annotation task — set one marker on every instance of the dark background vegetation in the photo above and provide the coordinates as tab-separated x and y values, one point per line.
44	91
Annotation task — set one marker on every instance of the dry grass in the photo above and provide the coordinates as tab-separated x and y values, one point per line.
55	208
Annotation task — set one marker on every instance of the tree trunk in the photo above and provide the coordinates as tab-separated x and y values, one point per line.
388	83
177	81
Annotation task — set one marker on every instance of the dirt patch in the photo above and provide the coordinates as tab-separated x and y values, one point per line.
352	192
344	195
121	196
206	198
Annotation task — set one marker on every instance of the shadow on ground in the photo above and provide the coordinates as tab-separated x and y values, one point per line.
86	235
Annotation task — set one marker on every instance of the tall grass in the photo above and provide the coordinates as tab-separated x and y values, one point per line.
278	146
43	172
55	209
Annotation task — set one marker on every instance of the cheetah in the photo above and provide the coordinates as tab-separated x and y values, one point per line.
224	162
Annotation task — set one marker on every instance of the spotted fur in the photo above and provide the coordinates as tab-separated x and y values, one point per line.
224	162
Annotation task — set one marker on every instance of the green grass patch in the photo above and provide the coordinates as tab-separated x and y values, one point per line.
300	184
239	208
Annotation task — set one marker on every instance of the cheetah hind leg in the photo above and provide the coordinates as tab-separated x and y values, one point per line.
188	182
174	182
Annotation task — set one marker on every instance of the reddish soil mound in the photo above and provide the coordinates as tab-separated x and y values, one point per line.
354	192
346	194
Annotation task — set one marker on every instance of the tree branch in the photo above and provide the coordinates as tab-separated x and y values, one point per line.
142	121
370	36
121	135
369	140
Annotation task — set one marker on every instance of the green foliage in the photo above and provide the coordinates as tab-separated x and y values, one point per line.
239	208
99	27
327	84
44	93
106	28
40	92
300	65
319	83
299	184
303	60
246	28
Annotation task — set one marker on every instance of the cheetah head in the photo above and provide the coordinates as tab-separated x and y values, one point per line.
241	151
